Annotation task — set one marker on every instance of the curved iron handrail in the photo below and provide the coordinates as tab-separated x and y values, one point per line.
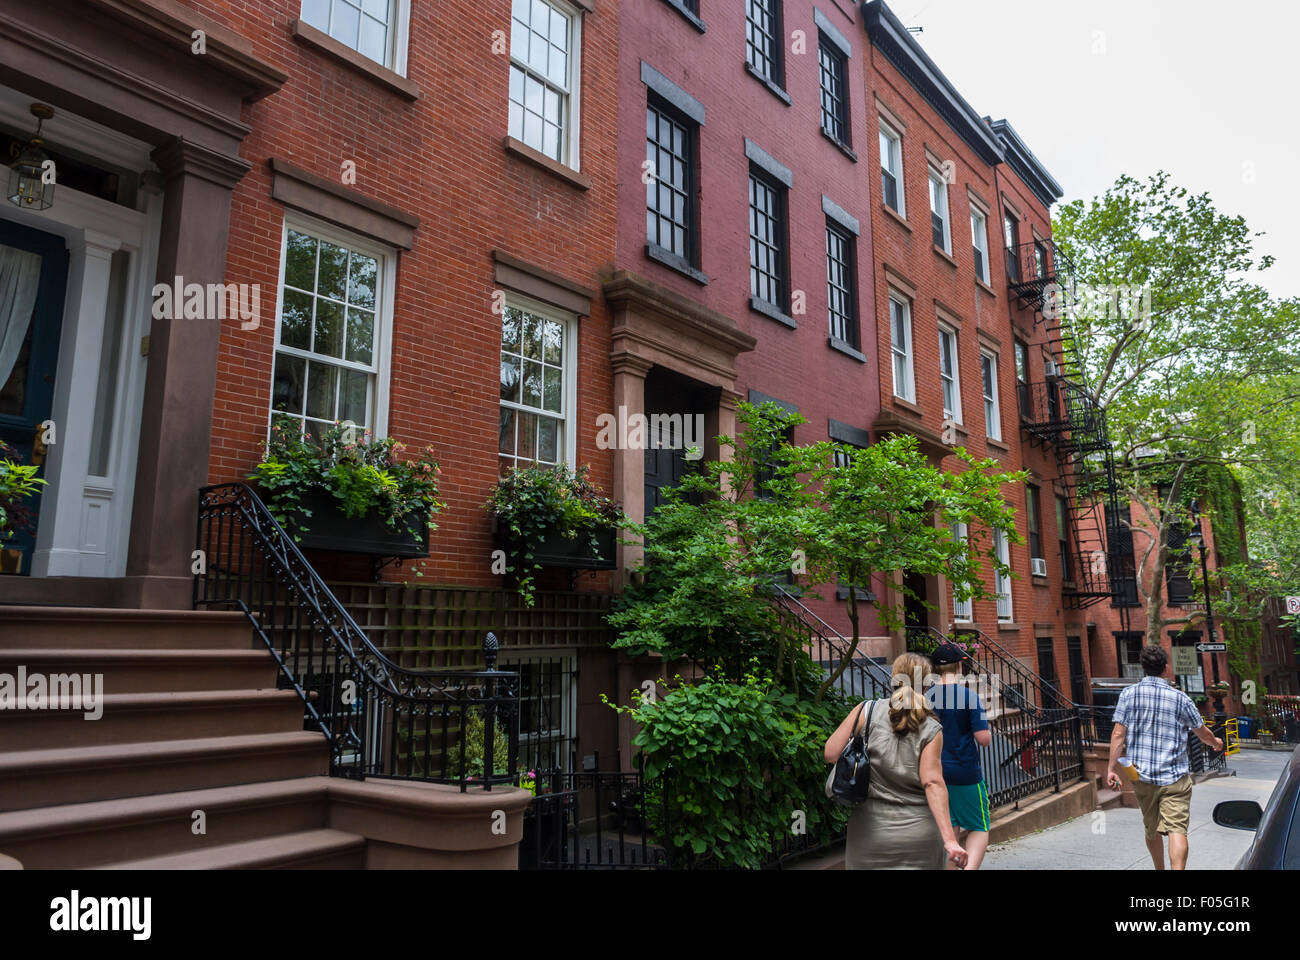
875	675
248	561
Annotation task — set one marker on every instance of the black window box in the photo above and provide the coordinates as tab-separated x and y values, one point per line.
576	553
329	529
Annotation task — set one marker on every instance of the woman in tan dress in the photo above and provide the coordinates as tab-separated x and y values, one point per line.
903	824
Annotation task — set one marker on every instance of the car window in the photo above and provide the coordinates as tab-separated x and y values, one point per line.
1291	857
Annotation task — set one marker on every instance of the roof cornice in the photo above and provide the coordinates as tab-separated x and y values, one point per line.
1027	166
888	34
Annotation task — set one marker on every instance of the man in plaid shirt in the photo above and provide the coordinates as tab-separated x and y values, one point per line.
1152	719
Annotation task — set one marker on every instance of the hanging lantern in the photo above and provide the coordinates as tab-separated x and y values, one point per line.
31	176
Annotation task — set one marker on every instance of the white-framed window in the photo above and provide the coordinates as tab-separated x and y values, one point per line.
900	335
962	610
992	412
538	385
891	169
939	226
979	238
545	55
948	376
1002	550
334	329
374	28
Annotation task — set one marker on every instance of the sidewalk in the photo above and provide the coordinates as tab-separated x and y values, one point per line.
1113	839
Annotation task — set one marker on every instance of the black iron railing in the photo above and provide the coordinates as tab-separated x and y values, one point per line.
1283	717
1039	274
597	820
1037	739
380	719
856	675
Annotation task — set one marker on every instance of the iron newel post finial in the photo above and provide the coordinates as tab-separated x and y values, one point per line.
490	645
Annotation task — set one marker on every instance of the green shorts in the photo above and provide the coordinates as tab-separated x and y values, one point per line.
968	806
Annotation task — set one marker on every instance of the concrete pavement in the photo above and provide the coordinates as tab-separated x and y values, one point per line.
1113	839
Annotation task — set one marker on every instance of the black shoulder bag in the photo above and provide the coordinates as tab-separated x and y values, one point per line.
851	778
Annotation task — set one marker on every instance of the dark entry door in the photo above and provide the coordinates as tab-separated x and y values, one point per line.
33	279
1078	678
675	396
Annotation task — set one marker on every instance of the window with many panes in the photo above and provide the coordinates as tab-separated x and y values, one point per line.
1040	260
963	610
979	238
374	28
332	332
992	415
891	168
833	70
939	229
544	50
536	370
763	39
841	292
900	338
948	377
767	244
670	205
1002	582
1034	521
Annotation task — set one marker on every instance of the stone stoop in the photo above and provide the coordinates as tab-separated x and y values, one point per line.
1095	759
192	722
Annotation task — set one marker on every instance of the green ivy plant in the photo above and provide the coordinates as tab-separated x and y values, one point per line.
18	481
739	762
533	502
362	474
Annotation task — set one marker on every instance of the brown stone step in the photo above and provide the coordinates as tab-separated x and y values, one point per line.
65	627
79	835
1108	799
322	849
142	717
40	778
150	671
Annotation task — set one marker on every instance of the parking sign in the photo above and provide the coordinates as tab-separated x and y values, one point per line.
1293	604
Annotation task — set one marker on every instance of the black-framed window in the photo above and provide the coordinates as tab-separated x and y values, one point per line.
1022	377
1047	661
1034	521
841	288
768	248
691	5
1040	260
763	47
1011	238
1179	559
1063	539
1119	539
670	193
833	70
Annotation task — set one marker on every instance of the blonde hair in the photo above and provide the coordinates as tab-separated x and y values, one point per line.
908	706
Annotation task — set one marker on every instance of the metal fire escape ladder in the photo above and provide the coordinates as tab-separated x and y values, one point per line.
1061	412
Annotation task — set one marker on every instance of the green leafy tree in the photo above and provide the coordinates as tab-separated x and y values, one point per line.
1193	373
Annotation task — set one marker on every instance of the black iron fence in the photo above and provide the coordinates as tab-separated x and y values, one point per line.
380	719
1283	717
1037	734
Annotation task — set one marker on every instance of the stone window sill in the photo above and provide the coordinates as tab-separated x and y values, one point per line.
774	88
985	287
309	36
846	348
673	262
907	405
538	159
840	145
941	252
1040	581
1007	626
897	217
690	18
772	313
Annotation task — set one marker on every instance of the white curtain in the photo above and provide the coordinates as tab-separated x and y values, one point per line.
20	273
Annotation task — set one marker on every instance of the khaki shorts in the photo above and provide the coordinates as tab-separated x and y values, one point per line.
1165	809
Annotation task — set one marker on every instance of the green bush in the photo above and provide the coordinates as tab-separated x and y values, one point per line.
738	761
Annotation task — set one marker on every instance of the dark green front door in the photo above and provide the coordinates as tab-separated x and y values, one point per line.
29	350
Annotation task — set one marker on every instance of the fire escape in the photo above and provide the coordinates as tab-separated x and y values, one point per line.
1060	412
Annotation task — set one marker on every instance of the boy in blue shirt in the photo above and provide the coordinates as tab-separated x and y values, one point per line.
964	726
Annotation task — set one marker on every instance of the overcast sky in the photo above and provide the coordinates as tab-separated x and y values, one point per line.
1209	92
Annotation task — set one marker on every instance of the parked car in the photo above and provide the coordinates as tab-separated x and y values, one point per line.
1277	826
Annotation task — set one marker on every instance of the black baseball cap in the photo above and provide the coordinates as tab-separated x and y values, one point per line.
947	653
